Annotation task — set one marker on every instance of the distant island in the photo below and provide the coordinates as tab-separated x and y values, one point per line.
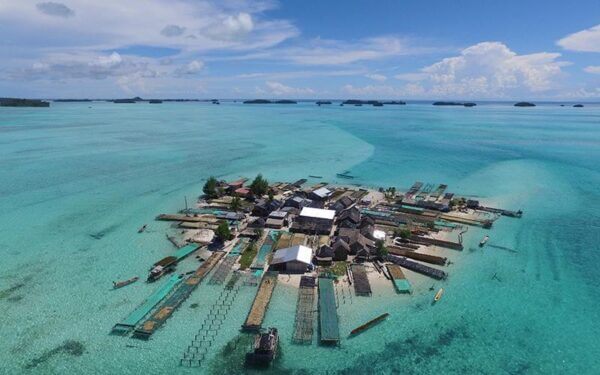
357	102
578	106
322	102
14	102
467	104
395	102
72	100
155	101
524	104
265	101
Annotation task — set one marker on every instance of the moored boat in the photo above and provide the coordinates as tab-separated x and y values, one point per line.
161	268
143	228
264	349
368	324
484	241
438	295
120	284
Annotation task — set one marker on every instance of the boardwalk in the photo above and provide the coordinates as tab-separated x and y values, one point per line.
328	318
409	253
261	302
138	314
305	310
166	309
417	267
362	287
400	282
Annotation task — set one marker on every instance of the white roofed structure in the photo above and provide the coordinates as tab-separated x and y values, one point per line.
317	213
293	259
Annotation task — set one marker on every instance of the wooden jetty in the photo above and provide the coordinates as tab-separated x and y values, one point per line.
259	307
409	253
467	221
197	225
139	313
362	287
369	324
435	242
400	282
417	267
187	218
305	309
502	212
185	251
183	291
328	318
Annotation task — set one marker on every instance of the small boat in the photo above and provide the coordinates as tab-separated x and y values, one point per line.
484	241
264	348
143	228
438	295
368	324
344	175
313	176
120	284
161	268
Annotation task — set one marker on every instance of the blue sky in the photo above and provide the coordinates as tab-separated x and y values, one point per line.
512	50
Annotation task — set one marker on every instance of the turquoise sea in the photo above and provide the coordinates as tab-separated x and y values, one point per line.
78	179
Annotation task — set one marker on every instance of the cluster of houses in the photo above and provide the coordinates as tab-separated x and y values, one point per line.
331	214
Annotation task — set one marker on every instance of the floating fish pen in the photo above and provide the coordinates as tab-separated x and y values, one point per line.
261	302
417	267
436	242
208	332
144	309
185	251
183	291
408	253
400	282
305	310
425	192
254	278
362	287
328	318
223	270
265	250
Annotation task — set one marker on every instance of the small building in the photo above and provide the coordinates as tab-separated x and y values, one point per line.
355	240
243	192
295	259
264	207
379	235
342	204
234	185
321	194
324	255
298	202
274	223
317	215
352	215
341	249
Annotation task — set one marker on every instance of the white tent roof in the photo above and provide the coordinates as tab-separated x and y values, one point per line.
322	192
295	253
317	213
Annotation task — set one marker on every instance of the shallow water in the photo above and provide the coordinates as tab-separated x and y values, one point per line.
76	183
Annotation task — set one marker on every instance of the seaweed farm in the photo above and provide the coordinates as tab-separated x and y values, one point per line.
330	244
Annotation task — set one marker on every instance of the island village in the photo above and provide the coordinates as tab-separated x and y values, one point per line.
257	234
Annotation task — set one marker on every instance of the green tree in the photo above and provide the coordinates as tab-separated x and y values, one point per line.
259	186
402	233
210	188
236	203
381	250
271	195
223	232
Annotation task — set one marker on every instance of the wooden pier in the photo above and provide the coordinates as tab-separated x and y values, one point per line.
362	287
400	282
409	253
328	318
435	242
144	309
183	291
417	267
261	302
305	309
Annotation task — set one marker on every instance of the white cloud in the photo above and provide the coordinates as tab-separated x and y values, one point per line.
334	52
376	77
384	91
231	27
172	31
592	69
279	89
55	9
584	41
491	69
193	67
411	77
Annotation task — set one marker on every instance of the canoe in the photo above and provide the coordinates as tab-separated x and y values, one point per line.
120	284
484	241
438	295
368	324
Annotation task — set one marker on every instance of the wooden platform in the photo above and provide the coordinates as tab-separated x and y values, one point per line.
409	253
400	282
261	302
305	309
362	286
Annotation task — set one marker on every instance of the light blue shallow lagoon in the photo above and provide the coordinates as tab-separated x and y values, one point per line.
78	179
